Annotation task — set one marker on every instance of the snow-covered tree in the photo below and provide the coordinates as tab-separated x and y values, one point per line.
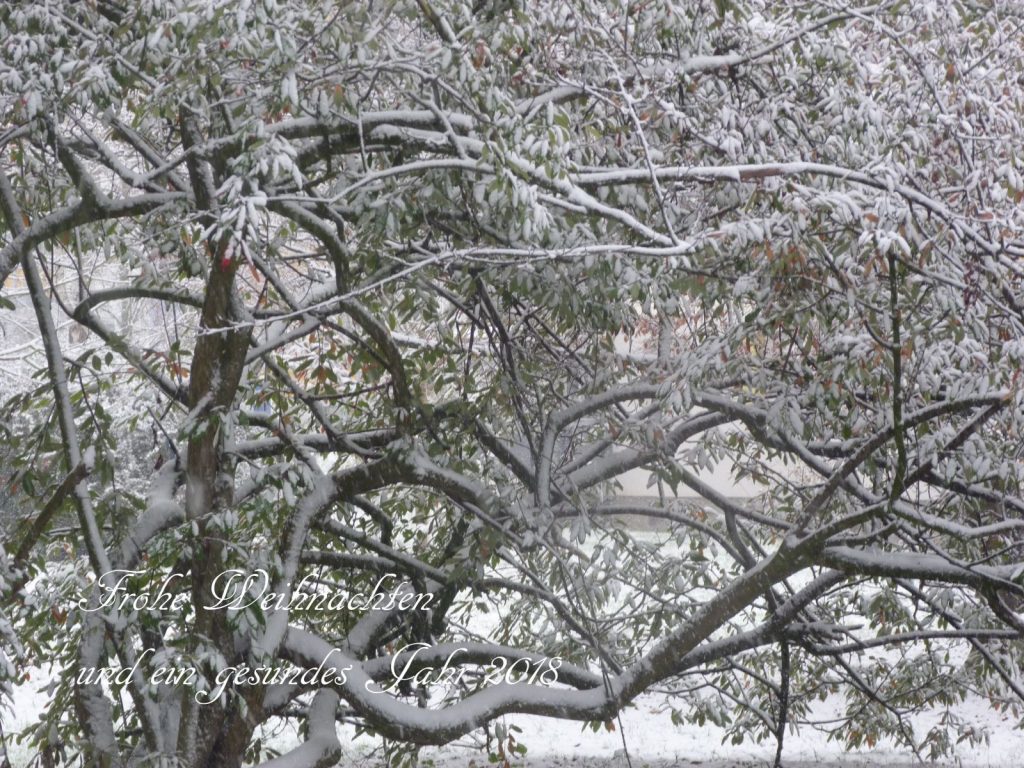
391	295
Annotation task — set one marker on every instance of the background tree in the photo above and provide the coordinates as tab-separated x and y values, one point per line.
419	283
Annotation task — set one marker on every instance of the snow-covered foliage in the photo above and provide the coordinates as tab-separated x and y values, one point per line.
404	289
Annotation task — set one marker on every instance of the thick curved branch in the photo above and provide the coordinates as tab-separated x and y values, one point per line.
321	748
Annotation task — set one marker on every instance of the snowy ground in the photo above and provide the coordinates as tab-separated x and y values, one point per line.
650	738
